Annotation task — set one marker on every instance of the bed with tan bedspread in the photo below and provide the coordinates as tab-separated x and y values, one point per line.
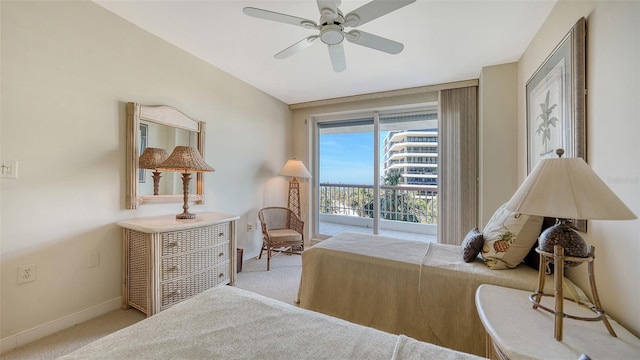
230	323
419	289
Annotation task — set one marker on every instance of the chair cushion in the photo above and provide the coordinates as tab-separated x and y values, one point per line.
284	235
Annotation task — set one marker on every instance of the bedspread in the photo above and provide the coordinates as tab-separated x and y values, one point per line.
423	290
230	323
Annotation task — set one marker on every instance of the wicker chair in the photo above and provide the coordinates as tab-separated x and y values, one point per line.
282	232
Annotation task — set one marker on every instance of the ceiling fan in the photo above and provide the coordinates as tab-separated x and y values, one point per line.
332	26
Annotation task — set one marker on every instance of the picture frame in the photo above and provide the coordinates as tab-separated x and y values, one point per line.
144	129
556	103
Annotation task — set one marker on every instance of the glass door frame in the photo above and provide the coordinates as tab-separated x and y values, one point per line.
314	145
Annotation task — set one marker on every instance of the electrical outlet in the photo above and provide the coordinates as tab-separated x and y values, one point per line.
26	273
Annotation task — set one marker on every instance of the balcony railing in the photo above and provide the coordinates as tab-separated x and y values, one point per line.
414	204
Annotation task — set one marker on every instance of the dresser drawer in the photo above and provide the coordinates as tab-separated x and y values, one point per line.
193	262
177	242
175	291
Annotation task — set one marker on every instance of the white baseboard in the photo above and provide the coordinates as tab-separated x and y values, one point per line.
40	331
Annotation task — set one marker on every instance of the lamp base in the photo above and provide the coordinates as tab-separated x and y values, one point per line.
293	202
186	215
558	312
156	182
563	234
186	177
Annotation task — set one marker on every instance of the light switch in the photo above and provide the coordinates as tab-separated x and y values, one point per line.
9	169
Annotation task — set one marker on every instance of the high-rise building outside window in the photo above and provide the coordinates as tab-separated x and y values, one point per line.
413	154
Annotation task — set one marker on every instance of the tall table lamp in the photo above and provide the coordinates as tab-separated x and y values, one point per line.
185	159
567	188
150	159
295	169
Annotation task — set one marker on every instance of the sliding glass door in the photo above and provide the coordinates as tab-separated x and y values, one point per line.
376	173
346	174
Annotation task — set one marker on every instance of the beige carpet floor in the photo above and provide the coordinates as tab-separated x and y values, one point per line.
280	283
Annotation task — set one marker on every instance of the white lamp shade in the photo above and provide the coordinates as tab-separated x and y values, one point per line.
567	188
295	168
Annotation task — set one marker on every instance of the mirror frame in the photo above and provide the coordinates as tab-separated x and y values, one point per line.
163	115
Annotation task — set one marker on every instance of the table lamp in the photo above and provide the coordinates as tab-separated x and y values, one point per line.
567	188
150	159
185	159
295	169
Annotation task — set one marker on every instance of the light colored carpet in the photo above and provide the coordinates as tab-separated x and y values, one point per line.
280	283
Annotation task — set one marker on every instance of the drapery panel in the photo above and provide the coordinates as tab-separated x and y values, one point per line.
458	164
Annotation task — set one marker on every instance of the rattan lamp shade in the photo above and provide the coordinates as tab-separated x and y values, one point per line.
186	160
151	158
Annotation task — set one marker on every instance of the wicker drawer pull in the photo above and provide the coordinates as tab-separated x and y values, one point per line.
176	268
176	243
221	275
221	254
177	292
221	234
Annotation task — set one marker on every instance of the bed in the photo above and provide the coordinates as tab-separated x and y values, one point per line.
423	290
230	323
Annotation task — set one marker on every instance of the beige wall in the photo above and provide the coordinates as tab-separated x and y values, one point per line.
498	145
68	68
613	133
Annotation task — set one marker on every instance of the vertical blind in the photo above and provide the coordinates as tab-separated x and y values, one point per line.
458	164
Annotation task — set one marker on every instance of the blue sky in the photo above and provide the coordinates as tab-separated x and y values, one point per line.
347	158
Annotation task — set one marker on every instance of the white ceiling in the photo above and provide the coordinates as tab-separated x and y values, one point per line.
444	41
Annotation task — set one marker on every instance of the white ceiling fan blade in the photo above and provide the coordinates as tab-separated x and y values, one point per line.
302	44
336	53
328	10
373	10
374	41
283	18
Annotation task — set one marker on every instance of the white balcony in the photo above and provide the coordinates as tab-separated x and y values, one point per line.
331	225
406	212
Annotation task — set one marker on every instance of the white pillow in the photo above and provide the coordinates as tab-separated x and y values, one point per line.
508	237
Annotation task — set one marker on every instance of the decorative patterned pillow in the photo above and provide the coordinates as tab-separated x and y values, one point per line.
508	237
472	245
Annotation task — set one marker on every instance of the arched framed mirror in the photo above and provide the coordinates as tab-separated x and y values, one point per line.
159	127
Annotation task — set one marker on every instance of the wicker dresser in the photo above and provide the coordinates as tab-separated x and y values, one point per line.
167	260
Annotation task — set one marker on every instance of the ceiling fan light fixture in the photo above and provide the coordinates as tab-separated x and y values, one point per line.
332	34
331	28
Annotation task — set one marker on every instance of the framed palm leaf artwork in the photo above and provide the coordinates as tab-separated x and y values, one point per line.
556	101
556	95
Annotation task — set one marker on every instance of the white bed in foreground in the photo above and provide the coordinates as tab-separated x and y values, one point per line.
230	323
